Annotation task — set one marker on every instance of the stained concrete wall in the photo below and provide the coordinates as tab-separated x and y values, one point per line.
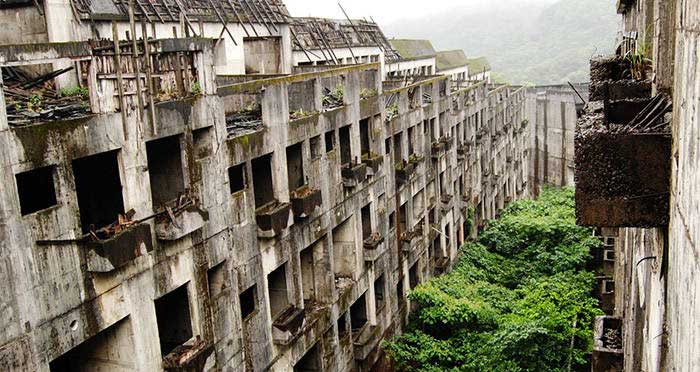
553	112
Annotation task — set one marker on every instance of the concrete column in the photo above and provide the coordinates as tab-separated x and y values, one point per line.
60	28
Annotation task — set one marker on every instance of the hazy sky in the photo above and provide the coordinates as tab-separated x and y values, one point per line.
388	11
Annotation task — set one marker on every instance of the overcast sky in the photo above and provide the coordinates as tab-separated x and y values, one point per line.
388	11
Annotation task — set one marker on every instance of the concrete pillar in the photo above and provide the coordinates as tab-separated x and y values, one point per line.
60	25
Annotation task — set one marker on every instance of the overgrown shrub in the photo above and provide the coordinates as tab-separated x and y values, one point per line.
517	300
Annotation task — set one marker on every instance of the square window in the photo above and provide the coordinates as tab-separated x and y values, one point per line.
237	178
36	190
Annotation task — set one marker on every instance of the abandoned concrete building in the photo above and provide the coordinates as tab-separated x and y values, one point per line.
637	182
216	185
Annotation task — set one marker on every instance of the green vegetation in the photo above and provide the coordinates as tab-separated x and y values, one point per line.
518	300
75	92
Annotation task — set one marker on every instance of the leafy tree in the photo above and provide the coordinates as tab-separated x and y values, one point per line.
518	300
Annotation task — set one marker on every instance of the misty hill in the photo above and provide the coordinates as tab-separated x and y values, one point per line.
541	42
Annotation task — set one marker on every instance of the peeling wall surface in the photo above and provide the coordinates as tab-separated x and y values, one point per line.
218	262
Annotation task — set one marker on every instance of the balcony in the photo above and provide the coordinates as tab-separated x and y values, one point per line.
404	171
373	162
304	201
114	247
181	218
190	357
366	341
287	325
623	171
608	354
437	148
447	141
373	247
272	219
353	175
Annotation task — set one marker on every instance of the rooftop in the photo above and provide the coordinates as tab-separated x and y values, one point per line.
479	64
447	60
413	48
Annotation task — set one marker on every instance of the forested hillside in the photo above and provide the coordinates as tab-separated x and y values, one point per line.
518	300
527	41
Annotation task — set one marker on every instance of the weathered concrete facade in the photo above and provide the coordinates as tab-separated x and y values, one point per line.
553	112
655	276
264	222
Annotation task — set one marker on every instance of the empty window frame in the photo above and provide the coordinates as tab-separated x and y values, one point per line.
315	144
262	180
277	291
248	300
358	314
366	222
345	149
165	170
379	292
237	178
295	166
365	136
173	317
36	190
99	189
342	325
330	141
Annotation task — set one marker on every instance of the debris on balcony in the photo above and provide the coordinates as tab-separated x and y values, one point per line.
353	174
190	357
34	100
301	114
373	161
373	241
392	111
272	218
404	171
623	169
333	98
305	200
180	218
366	93
246	121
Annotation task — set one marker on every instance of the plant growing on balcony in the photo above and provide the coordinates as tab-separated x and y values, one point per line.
301	114
639	60
333	98
392	111
367	93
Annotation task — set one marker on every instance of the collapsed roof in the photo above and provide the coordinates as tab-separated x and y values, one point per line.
323	33
241	11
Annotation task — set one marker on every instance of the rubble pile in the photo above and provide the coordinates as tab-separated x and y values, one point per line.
30	101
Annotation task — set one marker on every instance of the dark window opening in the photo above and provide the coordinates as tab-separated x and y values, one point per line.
315	143
99	197
364	136
392	220
248	300
358	314
36	190
402	217
310	362
426	126
345	149
413	276
379	292
277	290
342	325
330	141
400	295
202	140
262	181
398	149
366	222
111	347
411	138
165	170
295	166
308	281
237	178
173	316
218	280
387	146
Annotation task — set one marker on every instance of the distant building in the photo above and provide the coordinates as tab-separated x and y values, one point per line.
479	69
417	57
453	63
